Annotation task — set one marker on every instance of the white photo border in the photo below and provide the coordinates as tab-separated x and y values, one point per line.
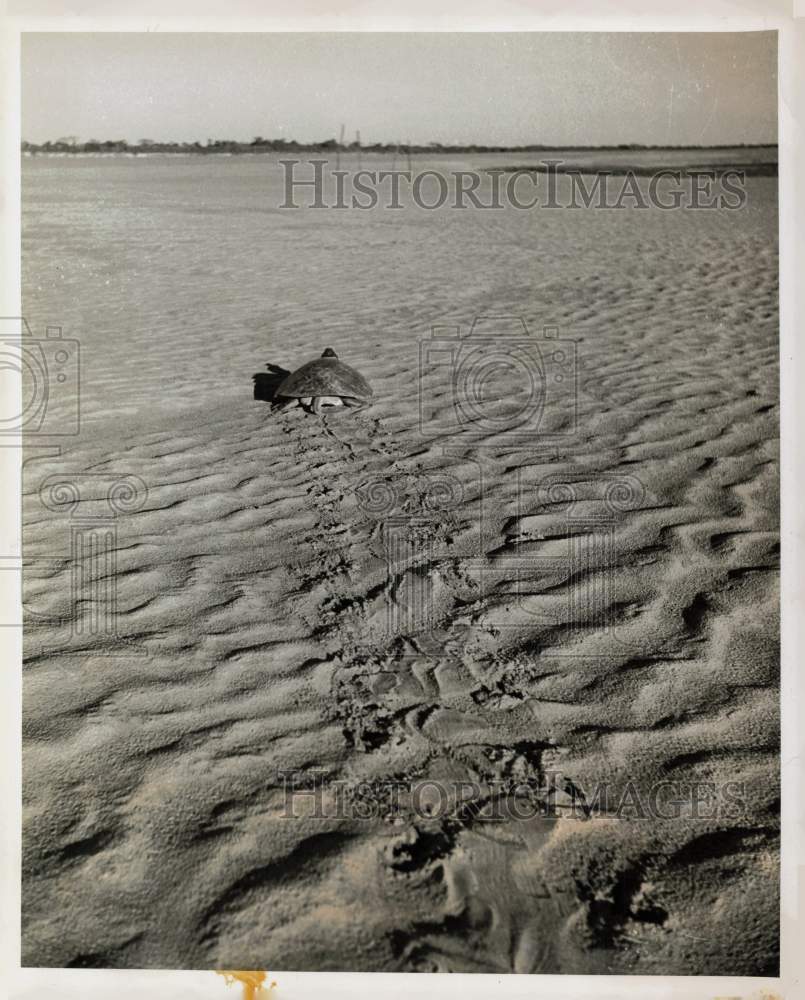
788	19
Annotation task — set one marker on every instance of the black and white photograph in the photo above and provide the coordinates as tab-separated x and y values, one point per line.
400	427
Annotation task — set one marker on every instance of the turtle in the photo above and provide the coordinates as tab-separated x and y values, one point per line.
326	381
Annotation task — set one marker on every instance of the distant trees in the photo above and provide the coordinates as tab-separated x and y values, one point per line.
259	144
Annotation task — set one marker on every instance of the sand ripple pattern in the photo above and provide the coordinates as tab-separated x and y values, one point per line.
364	599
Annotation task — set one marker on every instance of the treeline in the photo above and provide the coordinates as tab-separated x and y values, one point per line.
261	145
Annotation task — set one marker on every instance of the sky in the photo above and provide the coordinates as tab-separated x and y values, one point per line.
554	89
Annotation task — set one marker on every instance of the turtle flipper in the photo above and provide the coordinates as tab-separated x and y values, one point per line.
316	407
353	402
286	404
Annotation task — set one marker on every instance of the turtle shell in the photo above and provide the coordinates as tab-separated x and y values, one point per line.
326	376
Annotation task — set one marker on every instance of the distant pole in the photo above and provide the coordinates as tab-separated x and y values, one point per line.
409	156
338	151
358	143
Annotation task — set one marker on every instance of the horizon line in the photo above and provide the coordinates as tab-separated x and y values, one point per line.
71	142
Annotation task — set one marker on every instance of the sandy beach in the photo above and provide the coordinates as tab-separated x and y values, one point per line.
580	611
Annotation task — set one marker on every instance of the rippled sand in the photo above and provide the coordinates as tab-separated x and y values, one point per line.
275	612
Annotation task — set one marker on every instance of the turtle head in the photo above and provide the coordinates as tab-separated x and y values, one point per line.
329	353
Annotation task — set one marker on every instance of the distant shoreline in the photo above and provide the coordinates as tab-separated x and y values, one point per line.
747	169
219	147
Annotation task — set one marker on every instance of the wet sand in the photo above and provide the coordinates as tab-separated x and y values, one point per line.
586	603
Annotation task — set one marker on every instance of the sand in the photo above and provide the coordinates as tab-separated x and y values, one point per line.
366	598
